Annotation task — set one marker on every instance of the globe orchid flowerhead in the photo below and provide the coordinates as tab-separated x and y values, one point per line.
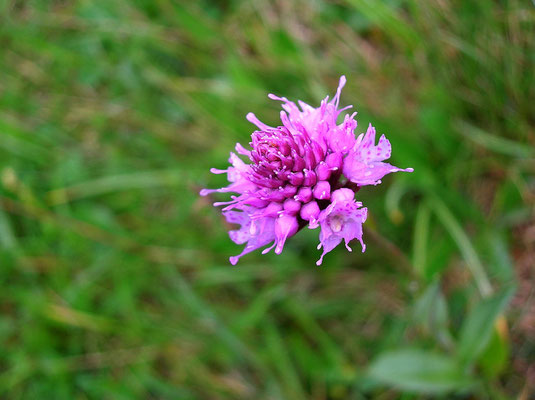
304	172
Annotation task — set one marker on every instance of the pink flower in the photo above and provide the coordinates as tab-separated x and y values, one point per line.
364	165
295	177
342	219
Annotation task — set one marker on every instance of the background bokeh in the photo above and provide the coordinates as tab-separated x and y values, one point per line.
115	281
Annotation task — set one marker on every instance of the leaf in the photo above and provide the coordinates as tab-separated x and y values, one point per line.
495	143
115	183
420	240
393	197
419	371
494	359
477	328
463	242
498	256
431	312
388	18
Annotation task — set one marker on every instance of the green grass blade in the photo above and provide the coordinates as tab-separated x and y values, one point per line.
463	243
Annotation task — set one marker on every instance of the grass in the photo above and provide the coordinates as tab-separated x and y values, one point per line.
114	272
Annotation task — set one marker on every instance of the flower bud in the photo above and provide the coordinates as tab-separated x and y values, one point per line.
292	206
285	226
310	178
272	210
304	195
310	211
273	195
289	190
334	160
310	160
343	195
322	190
323	171
296	178
299	163
256	202
319	154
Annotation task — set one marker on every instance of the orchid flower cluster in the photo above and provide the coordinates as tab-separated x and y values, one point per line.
304	172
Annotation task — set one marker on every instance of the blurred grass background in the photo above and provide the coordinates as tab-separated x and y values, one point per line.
115	281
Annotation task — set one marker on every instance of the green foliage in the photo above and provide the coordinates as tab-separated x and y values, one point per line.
114	272
419	371
478	327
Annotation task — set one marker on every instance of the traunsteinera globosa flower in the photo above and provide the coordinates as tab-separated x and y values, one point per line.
304	172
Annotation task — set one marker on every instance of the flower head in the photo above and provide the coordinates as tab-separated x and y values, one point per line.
303	172
342	219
